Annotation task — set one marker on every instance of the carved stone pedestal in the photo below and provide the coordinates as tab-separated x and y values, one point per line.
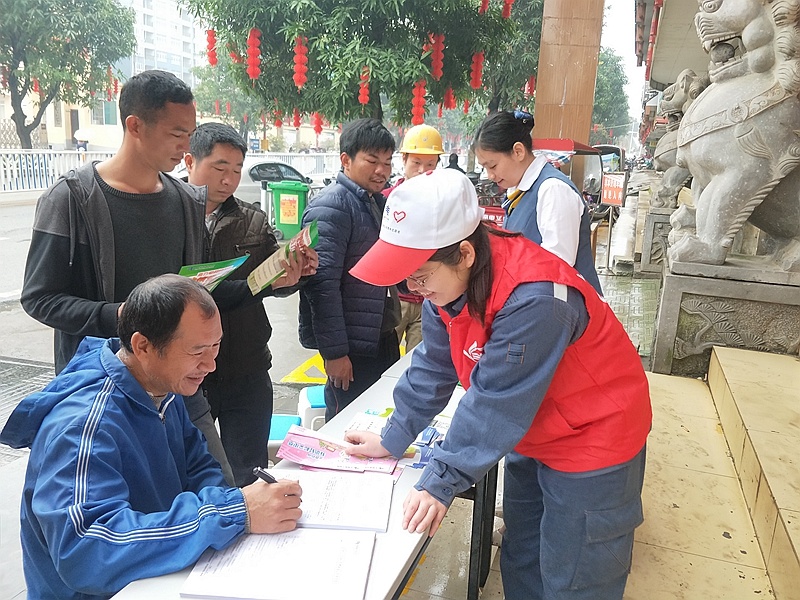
655	244
745	303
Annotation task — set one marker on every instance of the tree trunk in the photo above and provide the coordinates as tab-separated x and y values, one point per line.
19	117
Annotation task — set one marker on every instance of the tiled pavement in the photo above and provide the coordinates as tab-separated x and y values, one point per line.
635	302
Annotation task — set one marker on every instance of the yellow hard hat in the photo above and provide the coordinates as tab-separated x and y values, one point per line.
422	139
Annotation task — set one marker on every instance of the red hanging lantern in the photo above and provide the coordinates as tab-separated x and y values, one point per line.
254	54
211	47
245	117
216	107
530	86
439	112
484	7
437	56
476	74
363	87
449	98
316	120
228	107
418	103
278	120
116	86
35	85
466	107
296	117
507	8
300	61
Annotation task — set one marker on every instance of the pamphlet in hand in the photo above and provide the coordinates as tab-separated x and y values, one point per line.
210	274
311	448
267	272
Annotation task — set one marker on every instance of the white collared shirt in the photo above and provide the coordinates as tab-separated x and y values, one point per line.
558	212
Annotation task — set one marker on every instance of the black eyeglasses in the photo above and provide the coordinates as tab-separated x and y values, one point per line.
524	116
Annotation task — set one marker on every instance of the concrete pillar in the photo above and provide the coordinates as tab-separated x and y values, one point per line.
568	53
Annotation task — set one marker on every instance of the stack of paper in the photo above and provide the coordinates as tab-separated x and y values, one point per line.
343	500
305	563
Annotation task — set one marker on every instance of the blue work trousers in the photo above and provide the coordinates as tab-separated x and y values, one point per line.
569	536
243	407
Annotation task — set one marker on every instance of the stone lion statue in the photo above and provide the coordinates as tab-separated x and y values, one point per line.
740	138
675	102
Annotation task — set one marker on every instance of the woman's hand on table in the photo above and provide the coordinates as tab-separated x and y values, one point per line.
366	444
422	512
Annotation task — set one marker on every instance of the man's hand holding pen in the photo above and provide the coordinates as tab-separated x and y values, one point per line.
273	506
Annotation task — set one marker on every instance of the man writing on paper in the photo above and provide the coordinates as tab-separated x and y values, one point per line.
120	485
106	227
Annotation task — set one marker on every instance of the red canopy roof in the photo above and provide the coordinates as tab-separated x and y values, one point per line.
563	145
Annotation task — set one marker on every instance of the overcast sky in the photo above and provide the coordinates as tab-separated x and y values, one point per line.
618	33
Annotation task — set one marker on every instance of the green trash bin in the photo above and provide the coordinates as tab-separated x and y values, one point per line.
289	202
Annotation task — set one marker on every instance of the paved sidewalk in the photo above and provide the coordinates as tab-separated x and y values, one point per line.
19	198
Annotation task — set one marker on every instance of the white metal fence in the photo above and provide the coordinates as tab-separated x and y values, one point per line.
38	169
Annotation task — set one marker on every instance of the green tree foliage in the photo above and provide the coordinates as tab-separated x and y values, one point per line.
66	46
224	84
388	37
610	102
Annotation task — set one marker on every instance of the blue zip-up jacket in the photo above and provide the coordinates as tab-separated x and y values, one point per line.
115	490
339	314
523	218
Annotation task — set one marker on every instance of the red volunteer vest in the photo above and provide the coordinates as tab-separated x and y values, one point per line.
596	412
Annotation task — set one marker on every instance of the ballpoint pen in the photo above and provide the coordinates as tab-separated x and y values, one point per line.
264	475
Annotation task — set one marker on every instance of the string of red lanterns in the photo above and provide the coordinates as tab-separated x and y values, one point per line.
316	121
363	87
466	107
484	7
530	86
418	103
278	118
437	55
439	111
507	8
254	53
211	47
300	61
449	100
476	74
216	107
296	117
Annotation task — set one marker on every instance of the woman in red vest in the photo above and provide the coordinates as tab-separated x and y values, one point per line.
553	384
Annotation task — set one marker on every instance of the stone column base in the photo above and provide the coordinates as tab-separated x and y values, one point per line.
655	244
745	303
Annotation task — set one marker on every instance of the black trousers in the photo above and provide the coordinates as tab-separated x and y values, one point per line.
366	371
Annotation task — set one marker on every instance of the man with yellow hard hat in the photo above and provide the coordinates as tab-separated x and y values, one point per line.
422	146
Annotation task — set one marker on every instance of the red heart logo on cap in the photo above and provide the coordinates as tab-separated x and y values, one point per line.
399	215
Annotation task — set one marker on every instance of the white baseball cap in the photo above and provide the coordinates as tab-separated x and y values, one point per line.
422	215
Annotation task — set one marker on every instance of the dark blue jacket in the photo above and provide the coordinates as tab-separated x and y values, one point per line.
339	314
